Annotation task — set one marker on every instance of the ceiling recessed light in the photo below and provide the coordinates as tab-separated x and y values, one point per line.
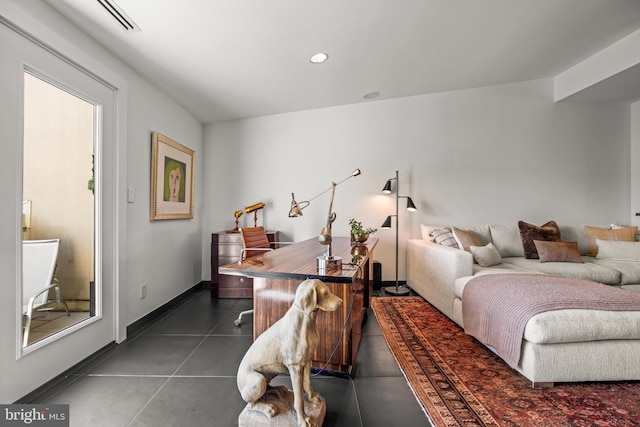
319	58
371	95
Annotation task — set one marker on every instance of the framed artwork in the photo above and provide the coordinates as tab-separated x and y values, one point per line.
171	179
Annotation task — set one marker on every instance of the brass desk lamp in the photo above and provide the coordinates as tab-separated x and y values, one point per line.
327	261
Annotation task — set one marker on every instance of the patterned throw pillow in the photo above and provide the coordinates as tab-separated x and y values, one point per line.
443	236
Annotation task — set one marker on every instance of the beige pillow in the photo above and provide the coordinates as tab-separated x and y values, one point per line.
466	238
549	251
486	256
611	249
624	234
507	241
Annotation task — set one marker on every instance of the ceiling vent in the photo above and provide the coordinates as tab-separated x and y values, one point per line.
118	14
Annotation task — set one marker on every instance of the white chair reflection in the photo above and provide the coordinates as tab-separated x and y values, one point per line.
38	265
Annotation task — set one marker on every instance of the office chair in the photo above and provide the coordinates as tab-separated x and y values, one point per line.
254	242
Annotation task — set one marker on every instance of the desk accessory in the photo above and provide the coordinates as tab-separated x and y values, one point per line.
237	214
254	208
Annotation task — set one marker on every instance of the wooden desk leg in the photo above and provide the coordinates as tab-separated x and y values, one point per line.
367	287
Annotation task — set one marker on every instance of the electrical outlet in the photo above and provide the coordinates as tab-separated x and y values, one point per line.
143	291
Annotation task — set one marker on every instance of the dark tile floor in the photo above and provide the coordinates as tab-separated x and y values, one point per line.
181	371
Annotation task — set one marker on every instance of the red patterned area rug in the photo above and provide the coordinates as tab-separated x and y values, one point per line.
459	382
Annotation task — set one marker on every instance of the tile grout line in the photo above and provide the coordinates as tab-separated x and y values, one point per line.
355	396
155	376
173	375
166	382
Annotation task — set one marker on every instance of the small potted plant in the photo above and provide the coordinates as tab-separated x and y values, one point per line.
359	234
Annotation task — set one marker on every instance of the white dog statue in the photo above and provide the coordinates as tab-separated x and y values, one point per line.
287	345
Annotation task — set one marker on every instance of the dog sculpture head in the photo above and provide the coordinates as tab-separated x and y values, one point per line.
313	294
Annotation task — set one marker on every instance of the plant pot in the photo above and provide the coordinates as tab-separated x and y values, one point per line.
359	240
359	250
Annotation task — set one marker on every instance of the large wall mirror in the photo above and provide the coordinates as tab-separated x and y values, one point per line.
58	226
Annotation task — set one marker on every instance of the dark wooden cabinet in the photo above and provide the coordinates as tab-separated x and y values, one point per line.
226	248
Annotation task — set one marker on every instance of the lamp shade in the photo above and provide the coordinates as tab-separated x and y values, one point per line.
387	187
387	222
295	210
410	206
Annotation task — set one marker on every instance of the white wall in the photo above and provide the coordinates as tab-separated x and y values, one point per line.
488	155
165	254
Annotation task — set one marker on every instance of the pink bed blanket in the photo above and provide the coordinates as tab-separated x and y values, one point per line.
497	307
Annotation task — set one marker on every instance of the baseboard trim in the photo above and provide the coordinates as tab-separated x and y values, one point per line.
385	283
393	282
144	320
131	329
33	396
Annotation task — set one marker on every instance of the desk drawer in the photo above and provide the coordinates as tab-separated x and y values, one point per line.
235	287
230	250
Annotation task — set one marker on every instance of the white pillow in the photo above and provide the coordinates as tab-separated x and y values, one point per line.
619	250
487	255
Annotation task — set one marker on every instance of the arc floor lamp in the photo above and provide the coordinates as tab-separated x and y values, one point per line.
411	207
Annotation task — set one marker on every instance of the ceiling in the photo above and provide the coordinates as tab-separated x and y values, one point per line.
232	59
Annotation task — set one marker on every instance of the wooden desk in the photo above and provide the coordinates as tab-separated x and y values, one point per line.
276	276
